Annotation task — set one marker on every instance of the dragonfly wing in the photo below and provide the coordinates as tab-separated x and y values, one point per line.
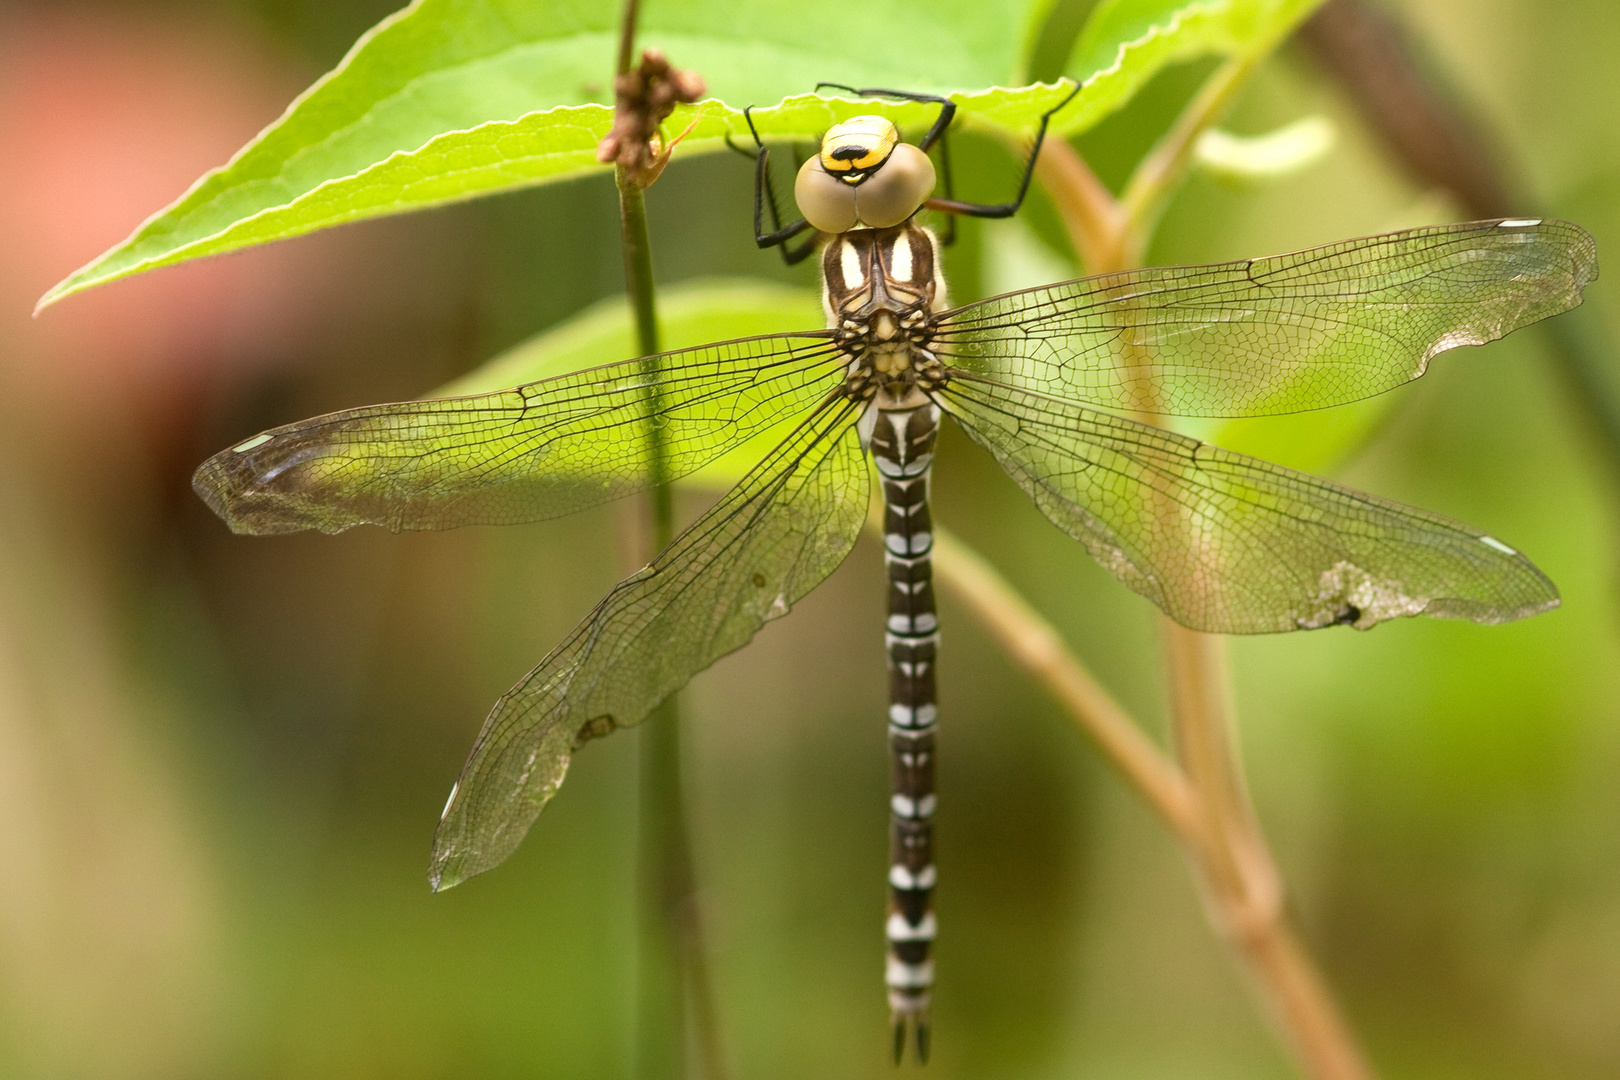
768	542
535	451
1280	334
1231	544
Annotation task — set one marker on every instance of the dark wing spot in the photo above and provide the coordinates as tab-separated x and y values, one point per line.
594	728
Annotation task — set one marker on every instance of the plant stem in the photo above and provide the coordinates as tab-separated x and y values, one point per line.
1429	127
627	37
1212	819
1201	719
1223	840
1093	217
660	1001
669	954
1242	884
1159	173
1211	816
673	988
1034	644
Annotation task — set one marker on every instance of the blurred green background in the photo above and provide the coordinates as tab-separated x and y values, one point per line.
222	759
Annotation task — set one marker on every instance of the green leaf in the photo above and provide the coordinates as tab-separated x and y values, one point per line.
689	314
1126	42
450	99
454	98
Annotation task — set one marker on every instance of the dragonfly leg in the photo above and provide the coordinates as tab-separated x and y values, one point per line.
1007	209
947	107
950	205
765	197
950	190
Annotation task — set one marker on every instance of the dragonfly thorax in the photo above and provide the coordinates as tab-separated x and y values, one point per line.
882	291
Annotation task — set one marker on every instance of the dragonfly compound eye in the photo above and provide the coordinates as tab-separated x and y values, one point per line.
884	195
894	192
826	202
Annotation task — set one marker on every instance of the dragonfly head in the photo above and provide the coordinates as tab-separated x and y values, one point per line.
864	176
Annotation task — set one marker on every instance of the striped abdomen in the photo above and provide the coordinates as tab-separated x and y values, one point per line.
903	446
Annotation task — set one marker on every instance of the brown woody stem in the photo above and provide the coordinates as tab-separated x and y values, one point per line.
1035	645
1201	796
1211	815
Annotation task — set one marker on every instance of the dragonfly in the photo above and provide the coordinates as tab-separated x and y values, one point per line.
1055	382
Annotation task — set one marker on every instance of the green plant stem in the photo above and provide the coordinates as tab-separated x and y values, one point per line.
673	992
1159	173
660	1001
626	58
669	928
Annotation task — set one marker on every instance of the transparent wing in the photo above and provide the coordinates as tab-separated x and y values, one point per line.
1274	335
767	543
1231	544
532	452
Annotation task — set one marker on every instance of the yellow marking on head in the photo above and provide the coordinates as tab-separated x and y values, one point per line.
857	146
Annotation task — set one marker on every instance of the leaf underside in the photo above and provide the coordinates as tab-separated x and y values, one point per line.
451	99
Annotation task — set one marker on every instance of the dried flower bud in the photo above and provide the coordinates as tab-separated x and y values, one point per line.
643	99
